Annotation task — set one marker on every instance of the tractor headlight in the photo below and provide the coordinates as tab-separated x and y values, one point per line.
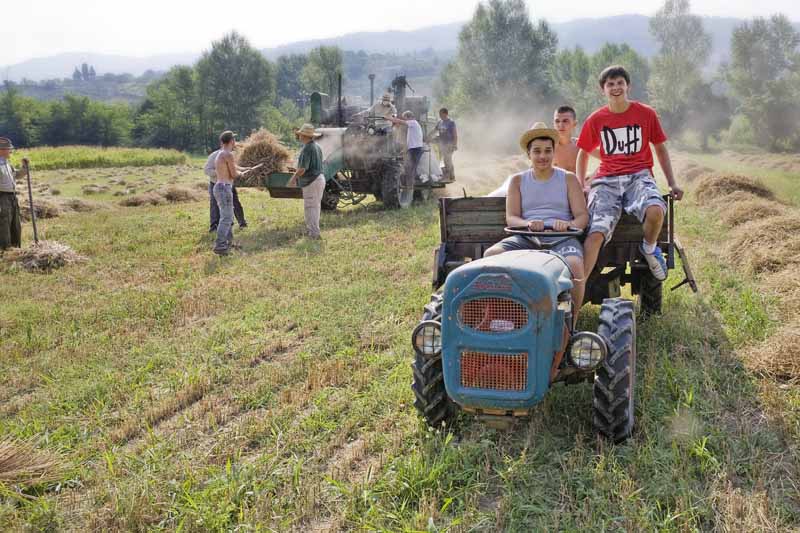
588	350
427	338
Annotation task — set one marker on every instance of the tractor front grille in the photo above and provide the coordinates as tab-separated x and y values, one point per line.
481	370
493	315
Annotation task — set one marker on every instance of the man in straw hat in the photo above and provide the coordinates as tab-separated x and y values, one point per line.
309	176
10	227
546	197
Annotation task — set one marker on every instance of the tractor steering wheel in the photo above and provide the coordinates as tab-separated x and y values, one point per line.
572	233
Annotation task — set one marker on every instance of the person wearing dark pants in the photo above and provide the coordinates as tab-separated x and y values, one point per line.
414	145
238	210
10	226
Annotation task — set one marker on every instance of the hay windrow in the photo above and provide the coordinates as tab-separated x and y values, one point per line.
779	356
43	257
262	147
22	464
692	172
712	187
785	286
766	245
737	212
176	194
147	198
172	194
43	207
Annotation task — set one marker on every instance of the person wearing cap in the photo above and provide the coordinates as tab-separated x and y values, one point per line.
226	173
210	170
448	141
309	176
414	146
383	107
10	226
546	197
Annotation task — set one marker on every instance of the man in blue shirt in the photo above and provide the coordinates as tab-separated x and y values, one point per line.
448	142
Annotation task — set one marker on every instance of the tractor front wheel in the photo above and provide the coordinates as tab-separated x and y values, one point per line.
390	185
615	378
431	399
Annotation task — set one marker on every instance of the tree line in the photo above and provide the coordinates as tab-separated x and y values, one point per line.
506	59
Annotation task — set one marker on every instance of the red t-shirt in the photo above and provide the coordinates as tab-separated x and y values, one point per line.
624	139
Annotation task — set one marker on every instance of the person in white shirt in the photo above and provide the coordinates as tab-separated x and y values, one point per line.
414	146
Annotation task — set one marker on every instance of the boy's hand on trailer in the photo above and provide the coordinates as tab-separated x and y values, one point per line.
676	192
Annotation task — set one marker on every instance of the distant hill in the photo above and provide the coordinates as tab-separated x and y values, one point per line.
587	33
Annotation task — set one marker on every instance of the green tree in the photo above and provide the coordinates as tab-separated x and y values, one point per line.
169	117
235	81
287	76
502	55
322	70
764	77
684	50
20	117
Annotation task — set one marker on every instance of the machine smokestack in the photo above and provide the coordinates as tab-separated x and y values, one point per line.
371	89
339	108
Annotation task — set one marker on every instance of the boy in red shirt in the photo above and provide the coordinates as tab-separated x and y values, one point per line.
624	130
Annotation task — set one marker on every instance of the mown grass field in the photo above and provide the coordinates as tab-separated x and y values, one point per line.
269	391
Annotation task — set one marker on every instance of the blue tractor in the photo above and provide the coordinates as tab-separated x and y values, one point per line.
497	333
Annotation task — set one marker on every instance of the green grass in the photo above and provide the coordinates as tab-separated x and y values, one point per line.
269	391
67	157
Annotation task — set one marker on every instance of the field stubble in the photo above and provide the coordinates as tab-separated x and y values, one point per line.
270	390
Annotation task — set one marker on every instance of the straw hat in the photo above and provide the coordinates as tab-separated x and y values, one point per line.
408	115
307	130
386	97
5	144
539	129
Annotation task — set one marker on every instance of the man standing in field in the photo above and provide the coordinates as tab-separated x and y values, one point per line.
238	211
309	176
414	147
624	130
226	173
448	142
10	227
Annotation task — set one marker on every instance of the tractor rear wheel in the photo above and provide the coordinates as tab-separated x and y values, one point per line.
651	293
615	378
330	199
431	399
390	184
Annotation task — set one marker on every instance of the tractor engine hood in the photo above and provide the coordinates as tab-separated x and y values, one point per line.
502	327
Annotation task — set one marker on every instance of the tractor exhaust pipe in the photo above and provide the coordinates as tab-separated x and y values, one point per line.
339	109
371	90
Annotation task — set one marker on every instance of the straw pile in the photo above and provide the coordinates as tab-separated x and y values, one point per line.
779	356
262	147
21	463
172	194
712	187
175	194
148	198
741	211
766	245
43	257
43	207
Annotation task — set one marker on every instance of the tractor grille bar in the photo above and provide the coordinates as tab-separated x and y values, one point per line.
481	370
493	315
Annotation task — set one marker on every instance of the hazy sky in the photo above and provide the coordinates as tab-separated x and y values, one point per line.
36	28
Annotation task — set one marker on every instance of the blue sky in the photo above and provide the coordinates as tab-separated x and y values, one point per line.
39	28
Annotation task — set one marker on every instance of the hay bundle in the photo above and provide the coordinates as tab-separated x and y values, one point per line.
81	206
766	245
21	463
94	189
784	286
148	198
734	213
712	187
261	148
779	356
176	194
43	257
43	207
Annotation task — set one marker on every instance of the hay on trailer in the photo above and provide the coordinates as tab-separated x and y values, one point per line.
174	194
766	245
712	187
22	464
43	207
43	257
148	198
261	148
741	211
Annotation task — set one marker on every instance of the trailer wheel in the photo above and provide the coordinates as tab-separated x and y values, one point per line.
390	184
330	200
431	399
651	293
615	378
